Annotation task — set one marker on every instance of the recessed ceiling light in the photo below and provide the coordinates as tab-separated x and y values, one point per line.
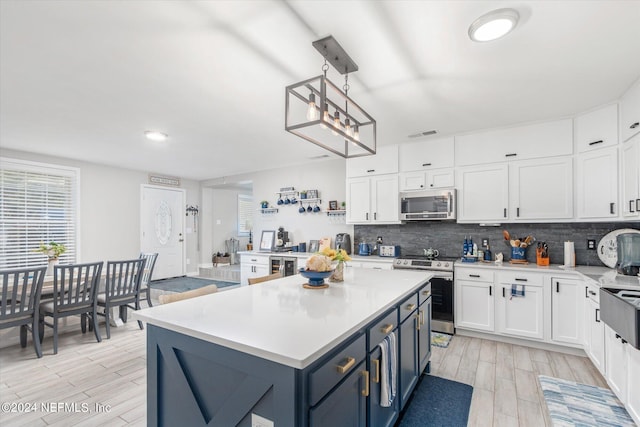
155	135
493	25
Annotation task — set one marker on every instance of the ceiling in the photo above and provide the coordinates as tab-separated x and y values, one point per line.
84	80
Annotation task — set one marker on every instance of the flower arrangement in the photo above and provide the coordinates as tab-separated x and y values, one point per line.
53	250
336	255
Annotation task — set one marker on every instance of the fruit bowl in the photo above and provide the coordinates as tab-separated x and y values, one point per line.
316	278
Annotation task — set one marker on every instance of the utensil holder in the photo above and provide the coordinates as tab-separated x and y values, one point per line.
540	260
518	253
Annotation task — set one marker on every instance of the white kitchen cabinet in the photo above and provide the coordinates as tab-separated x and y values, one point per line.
253	265
593	328
373	200
385	161
483	193
567	310
474	299
633	384
616	363
596	129
630	112
547	139
425	180
423	155
541	189
597	184
631	178
520	316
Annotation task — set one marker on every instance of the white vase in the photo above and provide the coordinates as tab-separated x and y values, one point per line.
52	262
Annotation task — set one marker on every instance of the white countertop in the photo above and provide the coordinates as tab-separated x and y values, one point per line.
283	322
603	276
359	258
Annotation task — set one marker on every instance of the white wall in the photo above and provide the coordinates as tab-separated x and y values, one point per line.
110	209
328	177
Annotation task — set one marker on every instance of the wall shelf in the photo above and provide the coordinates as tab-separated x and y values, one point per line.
301	201
268	211
337	212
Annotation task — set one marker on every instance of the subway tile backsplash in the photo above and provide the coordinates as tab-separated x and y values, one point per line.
448	237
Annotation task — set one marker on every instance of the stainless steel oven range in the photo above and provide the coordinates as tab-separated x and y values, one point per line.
441	287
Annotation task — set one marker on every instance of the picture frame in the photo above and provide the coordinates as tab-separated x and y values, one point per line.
312	194
314	246
333	205
267	240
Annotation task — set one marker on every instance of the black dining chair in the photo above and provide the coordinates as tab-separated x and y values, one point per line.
148	272
75	288
122	288
21	290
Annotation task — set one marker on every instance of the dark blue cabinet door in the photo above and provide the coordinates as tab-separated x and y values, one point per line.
380	416
408	357
424	336
344	406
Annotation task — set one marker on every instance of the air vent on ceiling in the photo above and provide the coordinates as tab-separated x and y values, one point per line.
322	156
426	133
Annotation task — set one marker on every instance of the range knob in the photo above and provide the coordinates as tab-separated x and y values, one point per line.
438	264
446	264
406	262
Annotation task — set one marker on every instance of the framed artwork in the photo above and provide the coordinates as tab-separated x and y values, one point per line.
267	240
314	245
312	194
333	205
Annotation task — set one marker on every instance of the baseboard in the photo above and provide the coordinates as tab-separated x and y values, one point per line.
523	342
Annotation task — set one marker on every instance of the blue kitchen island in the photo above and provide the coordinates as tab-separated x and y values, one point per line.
277	352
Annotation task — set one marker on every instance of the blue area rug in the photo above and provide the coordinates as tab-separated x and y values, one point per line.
185	283
573	404
437	402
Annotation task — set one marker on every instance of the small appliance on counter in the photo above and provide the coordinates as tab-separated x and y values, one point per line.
392	251
343	241
364	249
628	248
282	238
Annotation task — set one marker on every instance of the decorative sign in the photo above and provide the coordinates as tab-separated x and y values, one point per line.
170	181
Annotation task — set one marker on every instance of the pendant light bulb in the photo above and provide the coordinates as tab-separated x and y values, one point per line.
336	122
356	133
325	116
312	112
347	127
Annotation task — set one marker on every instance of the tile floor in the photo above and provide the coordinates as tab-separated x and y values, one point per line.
112	374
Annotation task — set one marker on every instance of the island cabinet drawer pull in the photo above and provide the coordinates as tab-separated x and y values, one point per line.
596	142
635	125
348	365
410	307
387	328
376	362
426	293
365	392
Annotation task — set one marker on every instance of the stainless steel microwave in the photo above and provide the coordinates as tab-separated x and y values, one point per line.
428	205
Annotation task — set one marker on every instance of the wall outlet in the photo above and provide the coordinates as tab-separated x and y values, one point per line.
485	242
258	421
591	244
379	240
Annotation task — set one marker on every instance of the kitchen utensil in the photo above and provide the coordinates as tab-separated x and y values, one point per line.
364	249
506	235
301	209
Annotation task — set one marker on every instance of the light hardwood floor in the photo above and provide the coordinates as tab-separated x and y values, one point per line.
504	377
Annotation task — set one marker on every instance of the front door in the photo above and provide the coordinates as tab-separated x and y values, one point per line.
162	229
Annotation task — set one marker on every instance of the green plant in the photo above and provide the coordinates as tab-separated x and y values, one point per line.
53	250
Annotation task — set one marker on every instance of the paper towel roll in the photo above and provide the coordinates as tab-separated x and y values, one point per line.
569	254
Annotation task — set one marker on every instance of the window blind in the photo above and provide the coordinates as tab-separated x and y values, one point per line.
245	214
38	204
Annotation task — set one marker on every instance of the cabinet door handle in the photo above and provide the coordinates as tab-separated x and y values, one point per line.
637	204
426	164
421	186
410	307
490	290
347	365
474	275
421	317
377	377
370	170
375	216
505	212
597	312
520	279
418	321
518	212
511	154
367	217
631	210
635	125
557	287
365	392
596	142
586	292
386	329
503	293
426	293
612	207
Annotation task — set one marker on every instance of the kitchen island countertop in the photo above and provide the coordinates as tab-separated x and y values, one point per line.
283	322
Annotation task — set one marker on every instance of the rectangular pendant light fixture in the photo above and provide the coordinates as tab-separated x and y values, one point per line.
320	112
